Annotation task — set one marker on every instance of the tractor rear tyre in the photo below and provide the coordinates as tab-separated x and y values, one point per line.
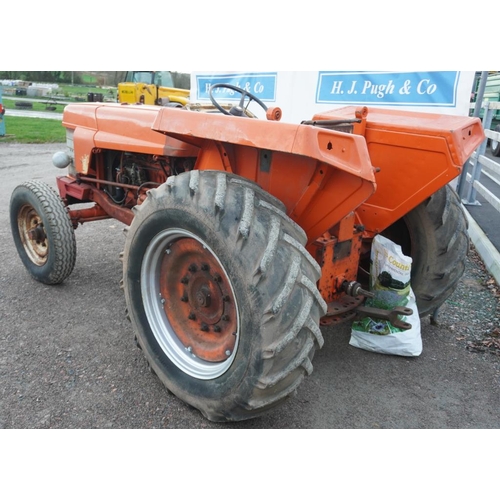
435	235
222	294
42	232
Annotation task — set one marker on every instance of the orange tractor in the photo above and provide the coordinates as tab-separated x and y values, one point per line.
244	236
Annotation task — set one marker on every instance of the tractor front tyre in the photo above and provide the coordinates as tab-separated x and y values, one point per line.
222	294
42	232
435	235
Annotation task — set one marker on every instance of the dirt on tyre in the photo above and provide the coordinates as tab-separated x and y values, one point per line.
222	294
435	235
43	232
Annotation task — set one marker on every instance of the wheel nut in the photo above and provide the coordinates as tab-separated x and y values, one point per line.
184	298
192	316
205	267
225	317
217	278
192	268
204	327
217	328
184	280
226	298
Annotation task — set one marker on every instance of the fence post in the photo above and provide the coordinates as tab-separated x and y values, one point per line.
476	166
462	181
480	93
2	111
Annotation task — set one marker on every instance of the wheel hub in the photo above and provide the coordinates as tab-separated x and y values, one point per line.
203	297
198	300
37	234
32	234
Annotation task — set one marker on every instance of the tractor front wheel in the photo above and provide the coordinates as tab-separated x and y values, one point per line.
435	235
221	294
42	232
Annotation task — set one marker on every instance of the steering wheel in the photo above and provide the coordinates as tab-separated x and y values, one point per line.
240	108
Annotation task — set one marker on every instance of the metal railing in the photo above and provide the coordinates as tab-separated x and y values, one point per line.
470	181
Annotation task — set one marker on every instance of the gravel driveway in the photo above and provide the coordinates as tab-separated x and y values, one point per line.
68	360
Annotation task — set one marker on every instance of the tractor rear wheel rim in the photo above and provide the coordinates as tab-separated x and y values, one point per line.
32	233
190	303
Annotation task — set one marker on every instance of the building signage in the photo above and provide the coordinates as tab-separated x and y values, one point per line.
261	85
435	88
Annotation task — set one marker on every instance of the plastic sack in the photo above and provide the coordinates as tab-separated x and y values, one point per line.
390	272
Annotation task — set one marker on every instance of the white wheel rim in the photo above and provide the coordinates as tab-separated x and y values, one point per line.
159	323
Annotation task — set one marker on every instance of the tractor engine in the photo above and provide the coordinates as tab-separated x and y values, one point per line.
131	175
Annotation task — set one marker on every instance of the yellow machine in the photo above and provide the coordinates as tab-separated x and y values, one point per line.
151	87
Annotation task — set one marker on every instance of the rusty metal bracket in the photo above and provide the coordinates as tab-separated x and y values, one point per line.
341	310
389	315
351	308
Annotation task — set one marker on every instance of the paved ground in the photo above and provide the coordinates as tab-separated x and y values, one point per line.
35	114
67	357
485	218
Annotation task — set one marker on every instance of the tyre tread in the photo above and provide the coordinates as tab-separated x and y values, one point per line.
443	271
61	229
287	343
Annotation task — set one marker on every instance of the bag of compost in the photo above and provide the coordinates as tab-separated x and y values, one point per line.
390	272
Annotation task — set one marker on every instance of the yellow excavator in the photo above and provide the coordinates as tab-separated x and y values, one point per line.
151	87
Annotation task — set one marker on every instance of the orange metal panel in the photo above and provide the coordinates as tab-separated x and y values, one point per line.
119	127
81	114
345	151
112	133
320	175
416	154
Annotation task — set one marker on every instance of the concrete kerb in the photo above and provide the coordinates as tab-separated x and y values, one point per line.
488	253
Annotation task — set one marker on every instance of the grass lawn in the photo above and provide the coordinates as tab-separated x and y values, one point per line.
82	91
39	130
32	130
